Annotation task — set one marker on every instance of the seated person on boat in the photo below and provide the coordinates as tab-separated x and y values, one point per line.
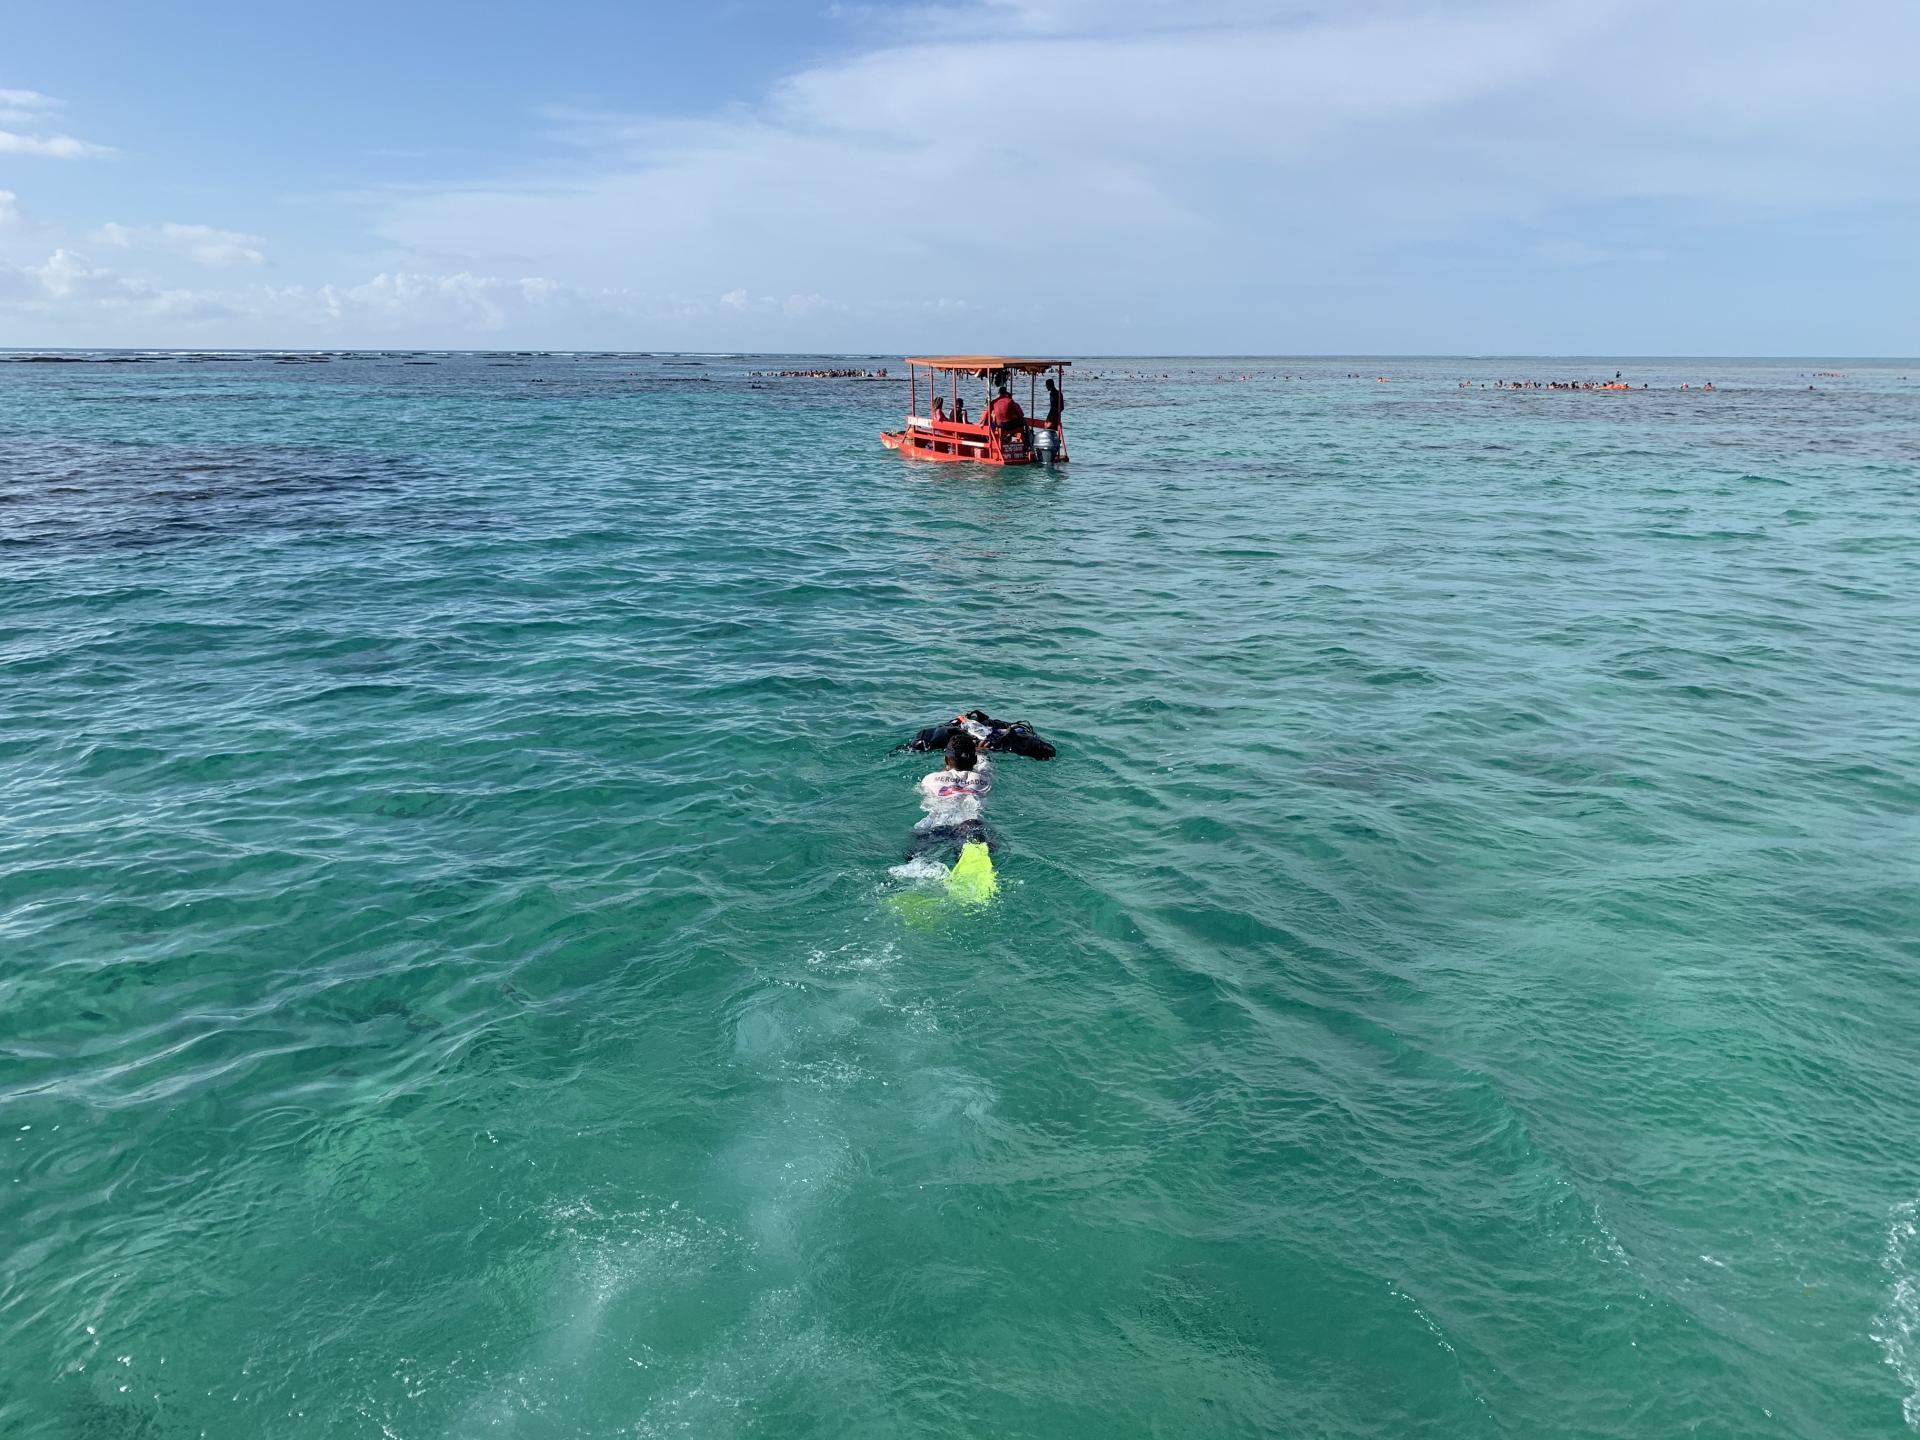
1006	416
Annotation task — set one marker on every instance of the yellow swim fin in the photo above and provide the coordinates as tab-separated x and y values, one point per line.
972	879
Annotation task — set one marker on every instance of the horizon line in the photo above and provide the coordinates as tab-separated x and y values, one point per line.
888	355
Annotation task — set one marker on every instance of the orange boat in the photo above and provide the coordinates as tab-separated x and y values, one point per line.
939	437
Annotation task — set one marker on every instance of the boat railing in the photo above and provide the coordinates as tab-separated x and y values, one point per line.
923	422
969	436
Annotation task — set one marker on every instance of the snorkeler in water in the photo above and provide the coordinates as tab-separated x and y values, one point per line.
952	840
955	800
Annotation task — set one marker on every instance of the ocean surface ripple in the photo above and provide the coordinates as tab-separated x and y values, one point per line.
1458	978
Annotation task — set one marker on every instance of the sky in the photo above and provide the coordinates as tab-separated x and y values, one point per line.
1075	176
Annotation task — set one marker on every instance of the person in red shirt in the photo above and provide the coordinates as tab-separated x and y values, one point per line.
1006	416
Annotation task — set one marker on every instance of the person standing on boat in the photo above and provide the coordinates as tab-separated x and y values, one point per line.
1056	403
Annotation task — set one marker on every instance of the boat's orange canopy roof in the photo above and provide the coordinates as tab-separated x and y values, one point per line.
986	364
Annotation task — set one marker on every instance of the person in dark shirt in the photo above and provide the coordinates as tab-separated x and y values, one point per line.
959	410
1056	402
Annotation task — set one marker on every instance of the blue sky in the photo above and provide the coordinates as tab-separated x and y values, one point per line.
1088	176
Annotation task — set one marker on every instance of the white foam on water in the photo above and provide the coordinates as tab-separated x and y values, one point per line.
1897	1327
844	1061
607	1257
830	1074
922	868
858	955
948	1099
780	1342
759	1034
921	1017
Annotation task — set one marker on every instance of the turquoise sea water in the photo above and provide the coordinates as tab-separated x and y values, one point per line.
1459	978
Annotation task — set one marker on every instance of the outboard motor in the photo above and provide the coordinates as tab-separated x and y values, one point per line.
1043	445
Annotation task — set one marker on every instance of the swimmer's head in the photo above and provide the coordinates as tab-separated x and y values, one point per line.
962	752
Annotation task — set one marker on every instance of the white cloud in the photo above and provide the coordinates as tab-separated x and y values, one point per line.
61	276
1199	160
31	108
69	288
28	105
67	285
202	243
58	147
81	302
1215	173
462	302
794	307
67	276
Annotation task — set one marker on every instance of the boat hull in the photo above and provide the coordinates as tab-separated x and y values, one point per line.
922	445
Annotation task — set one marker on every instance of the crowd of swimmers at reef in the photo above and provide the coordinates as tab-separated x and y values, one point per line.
880	374
1614	384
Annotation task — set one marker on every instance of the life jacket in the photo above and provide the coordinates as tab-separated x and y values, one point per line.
1016	738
